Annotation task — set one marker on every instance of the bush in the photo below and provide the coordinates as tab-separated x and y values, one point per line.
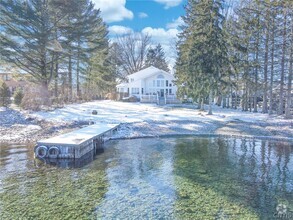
18	95
4	94
35	97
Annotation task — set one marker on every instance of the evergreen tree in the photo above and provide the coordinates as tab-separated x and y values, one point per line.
89	35
84	33
18	95
25	35
205	48
100	77
43	37
156	57
4	94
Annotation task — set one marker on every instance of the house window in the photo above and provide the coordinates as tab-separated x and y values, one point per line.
134	90
154	83
158	83
166	91
170	85
141	90
131	80
170	91
166	83
160	77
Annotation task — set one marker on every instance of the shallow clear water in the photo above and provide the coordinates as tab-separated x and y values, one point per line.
170	178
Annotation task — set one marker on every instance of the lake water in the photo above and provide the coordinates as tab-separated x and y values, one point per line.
169	178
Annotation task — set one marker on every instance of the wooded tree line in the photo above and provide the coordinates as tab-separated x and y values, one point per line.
134	52
62	44
241	53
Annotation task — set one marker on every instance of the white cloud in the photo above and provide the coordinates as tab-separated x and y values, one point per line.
167	38
113	10
161	34
119	30
169	3
142	15
175	23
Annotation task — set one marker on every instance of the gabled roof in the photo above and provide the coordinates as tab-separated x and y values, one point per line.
147	72
122	85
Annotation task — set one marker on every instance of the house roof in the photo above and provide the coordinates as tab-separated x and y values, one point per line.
122	85
147	72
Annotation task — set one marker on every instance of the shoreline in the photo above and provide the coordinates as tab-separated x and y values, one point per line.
207	135
21	127
48	130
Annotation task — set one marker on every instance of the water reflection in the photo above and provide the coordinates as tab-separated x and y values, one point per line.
172	178
28	191
247	175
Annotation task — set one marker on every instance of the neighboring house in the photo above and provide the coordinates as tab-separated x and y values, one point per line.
150	85
12	82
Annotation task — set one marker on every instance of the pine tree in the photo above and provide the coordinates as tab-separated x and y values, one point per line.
183	45
4	94
82	32
156	57
18	95
205	48
100	77
25	35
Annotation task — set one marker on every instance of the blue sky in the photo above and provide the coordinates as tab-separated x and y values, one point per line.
148	13
158	18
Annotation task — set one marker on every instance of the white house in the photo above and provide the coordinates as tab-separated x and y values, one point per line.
149	82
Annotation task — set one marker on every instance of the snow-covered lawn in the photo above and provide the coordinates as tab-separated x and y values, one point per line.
122	112
139	120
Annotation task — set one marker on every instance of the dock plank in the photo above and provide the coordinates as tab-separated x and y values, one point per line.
77	137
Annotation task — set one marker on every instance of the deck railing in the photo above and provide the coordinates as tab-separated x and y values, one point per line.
167	99
148	98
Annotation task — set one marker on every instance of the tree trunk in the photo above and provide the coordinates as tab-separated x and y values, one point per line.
256	69
281	103
246	99
289	87
199	103
272	65
231	94
77	70
56	78
202	104
70	76
236	95
210	103
265	94
224	104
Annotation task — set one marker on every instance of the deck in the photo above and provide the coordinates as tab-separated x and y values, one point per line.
76	143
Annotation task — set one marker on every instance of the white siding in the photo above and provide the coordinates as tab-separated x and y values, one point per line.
149	82
155	84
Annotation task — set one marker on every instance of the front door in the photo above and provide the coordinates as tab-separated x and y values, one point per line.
162	92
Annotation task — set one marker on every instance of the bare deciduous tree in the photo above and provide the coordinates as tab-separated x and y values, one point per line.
132	51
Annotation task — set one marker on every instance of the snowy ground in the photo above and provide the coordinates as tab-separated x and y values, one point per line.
140	120
123	112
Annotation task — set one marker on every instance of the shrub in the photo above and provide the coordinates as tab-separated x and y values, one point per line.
18	95
4	94
35	97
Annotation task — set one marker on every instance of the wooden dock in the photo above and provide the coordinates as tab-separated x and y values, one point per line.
74	144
